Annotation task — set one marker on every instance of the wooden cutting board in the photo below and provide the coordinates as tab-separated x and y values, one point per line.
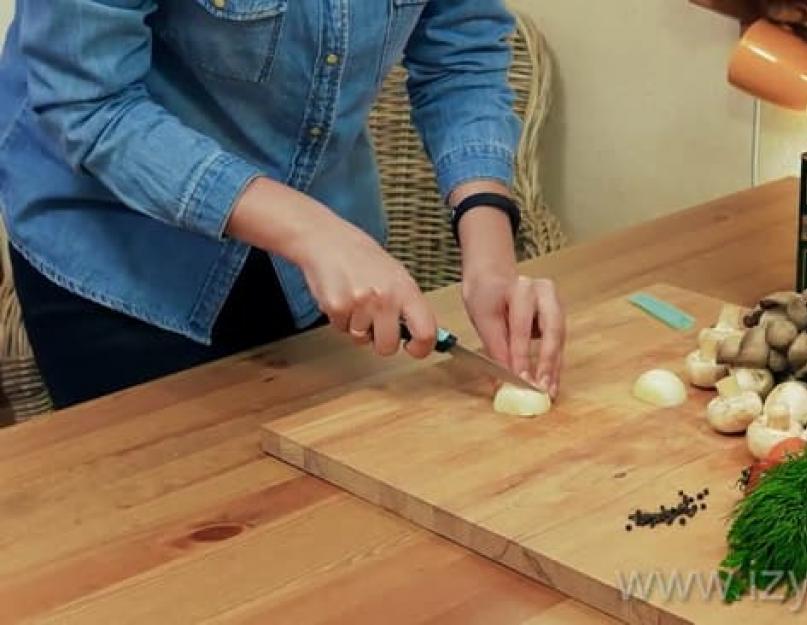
549	497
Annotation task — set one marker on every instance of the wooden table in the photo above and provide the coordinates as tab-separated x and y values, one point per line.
156	505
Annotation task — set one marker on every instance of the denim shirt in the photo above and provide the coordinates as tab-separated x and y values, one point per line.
129	129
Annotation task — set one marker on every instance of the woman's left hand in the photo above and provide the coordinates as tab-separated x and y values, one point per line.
509	311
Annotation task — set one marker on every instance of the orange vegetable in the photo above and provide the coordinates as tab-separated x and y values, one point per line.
788	447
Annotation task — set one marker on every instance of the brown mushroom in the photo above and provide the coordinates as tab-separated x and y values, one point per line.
780	333
769	308
777	362
753	318
797	352
780	299
769	316
754	350
797	312
790	303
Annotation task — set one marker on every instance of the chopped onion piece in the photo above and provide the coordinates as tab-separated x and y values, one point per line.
521	402
661	388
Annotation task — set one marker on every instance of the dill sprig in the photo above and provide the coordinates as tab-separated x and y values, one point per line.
769	534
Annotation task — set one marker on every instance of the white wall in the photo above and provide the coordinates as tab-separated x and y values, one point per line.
783	138
6	9
644	122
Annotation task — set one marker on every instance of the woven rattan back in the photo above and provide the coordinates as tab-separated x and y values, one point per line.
22	392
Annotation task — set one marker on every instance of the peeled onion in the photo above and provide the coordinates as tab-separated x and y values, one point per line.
661	388
521	402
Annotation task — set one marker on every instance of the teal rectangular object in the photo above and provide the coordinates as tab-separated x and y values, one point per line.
663	311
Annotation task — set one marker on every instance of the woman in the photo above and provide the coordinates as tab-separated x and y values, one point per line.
152	151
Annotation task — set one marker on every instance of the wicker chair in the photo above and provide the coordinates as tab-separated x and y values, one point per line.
419	235
418	231
22	393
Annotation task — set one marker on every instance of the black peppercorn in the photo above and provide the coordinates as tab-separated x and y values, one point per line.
686	507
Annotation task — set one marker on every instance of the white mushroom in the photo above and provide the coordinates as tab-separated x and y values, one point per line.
794	396
661	388
729	323
733	410
760	381
520	402
774	426
701	365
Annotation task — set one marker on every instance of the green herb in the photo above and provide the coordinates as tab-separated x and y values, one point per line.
768	534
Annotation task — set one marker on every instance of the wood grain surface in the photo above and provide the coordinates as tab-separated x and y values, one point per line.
548	497
110	511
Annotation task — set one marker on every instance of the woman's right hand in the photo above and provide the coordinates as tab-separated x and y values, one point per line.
363	290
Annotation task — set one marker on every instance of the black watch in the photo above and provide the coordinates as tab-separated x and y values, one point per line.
493	200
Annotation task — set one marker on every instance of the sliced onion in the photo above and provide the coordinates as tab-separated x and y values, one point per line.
521	402
661	388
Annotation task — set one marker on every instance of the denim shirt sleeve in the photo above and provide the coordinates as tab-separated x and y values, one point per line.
458	60
87	61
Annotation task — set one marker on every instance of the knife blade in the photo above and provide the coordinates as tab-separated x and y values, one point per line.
448	343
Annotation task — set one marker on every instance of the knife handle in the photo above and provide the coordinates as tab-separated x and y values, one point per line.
445	340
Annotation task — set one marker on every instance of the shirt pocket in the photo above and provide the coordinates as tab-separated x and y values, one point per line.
403	18
231	39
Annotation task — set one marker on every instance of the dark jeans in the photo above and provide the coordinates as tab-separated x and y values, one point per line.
85	350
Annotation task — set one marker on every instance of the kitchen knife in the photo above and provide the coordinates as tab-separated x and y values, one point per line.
447	343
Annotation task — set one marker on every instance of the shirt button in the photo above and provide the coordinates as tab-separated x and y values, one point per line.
331	59
315	131
219	4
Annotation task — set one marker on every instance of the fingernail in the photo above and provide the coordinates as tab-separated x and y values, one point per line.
543	383
553	391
